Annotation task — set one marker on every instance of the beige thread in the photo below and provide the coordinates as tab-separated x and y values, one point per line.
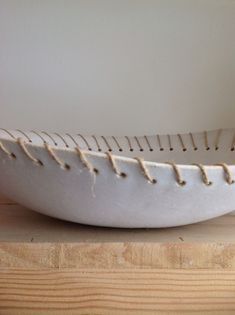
178	176
114	165
55	157
193	142
9	133
148	143
118	145
169	142
205	178
62	138
84	160
129	143
72	138
228	174
206	141
145	170
217	139
6	151
86	142
38	134
138	143
160	143
107	144
182	142
97	143
48	135
22	145
24	134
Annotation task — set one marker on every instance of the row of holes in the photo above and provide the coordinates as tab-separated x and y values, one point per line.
184	149
121	174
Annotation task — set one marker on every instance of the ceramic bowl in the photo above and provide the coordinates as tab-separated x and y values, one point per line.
132	182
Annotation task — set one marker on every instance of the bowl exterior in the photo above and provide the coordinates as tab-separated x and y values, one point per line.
99	196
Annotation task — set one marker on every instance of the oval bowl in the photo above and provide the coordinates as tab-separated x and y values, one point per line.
132	182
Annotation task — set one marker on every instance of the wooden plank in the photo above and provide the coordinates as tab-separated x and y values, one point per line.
31	240
49	266
117	255
117	292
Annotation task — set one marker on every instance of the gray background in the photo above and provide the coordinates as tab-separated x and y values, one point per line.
117	67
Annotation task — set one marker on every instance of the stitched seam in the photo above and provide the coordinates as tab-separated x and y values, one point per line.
85	141
107	144
62	138
206	140
227	172
23	147
145	170
218	136
177	173
148	143
204	175
138	143
97	143
84	160
129	143
5	150
55	157
193	141
114	166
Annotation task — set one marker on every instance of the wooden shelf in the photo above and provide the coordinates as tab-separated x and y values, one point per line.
48	266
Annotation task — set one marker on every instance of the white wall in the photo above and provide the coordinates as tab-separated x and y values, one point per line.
117	66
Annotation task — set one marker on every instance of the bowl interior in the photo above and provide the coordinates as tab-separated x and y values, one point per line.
209	147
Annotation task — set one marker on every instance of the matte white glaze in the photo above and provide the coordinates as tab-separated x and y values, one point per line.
105	199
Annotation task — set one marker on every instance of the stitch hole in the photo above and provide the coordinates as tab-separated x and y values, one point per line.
195	149
99	150
110	150
13	155
67	166
210	183
151	150
152	181
232	149
120	150
122	174
141	150
39	162
232	182
90	149
96	171
131	150
182	183
184	149
161	149
216	148
207	149
171	149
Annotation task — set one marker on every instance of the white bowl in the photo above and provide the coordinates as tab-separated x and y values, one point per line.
98	180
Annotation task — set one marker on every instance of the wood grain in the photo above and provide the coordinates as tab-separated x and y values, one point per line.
117	255
49	266
31	240
116	292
